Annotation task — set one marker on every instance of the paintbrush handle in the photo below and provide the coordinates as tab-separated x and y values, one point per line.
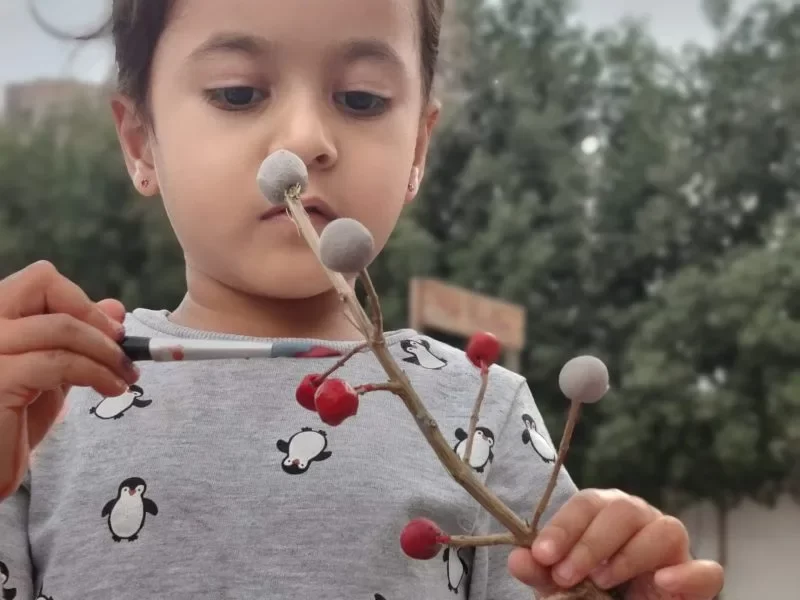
172	349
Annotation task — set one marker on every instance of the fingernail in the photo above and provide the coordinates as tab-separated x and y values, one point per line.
545	549
119	330
565	571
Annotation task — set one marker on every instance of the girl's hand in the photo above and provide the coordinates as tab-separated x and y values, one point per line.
52	336
614	538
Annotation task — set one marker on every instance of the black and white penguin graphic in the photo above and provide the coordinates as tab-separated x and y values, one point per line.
115	406
456	567
126	513
8	593
420	354
303	448
536	440
481	454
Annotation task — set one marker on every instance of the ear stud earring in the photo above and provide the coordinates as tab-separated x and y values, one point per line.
412	184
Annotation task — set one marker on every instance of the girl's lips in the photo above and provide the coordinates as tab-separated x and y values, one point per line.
317	219
314	206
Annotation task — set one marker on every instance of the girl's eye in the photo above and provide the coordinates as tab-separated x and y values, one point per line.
236	98
362	103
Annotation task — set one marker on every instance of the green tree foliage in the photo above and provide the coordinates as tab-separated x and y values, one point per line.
710	404
67	198
698	182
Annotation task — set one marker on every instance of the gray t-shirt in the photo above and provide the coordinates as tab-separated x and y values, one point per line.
208	480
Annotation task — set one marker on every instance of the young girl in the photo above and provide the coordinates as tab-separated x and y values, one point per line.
209	480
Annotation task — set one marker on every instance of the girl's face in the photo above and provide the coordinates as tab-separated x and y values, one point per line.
336	82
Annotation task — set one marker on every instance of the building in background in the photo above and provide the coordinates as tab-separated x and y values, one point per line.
30	102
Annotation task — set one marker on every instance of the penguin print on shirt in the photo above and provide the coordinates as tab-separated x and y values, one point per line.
115	406
303	448
536	440
8	593
456	567
420	354
126	513
481	454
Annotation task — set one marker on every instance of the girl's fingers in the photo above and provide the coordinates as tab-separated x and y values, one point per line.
63	332
523	567
41	289
610	530
660	543
700	579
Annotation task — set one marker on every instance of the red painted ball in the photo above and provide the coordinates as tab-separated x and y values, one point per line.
421	539
336	401
483	349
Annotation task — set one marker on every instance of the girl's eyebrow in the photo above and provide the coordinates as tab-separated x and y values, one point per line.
254	46
259	47
371	49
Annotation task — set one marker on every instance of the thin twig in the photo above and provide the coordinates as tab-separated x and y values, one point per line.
461	472
378	387
373	301
475	541
572	418
349	317
341	362
476	411
309	234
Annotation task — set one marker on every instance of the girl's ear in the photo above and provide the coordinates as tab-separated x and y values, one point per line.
427	123
134	138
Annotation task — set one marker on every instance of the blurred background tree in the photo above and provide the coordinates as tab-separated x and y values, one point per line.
67	197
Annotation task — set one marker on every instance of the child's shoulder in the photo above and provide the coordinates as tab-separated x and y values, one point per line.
436	353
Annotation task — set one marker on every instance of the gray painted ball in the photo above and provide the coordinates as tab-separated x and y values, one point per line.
346	246
584	379
279	172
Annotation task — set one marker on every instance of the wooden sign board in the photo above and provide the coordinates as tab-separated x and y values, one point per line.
462	312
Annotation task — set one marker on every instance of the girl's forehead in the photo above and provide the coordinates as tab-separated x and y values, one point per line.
379	29
298	17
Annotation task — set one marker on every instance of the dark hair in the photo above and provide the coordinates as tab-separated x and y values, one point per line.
136	26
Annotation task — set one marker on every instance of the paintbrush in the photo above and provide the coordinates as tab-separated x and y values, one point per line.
172	349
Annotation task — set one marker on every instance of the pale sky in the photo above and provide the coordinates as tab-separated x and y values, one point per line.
27	53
